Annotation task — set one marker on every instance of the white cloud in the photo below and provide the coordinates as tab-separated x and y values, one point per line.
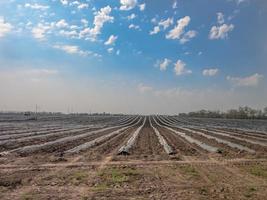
72	49
62	24
82	6
110	50
220	32
174	5
144	88
187	36
154	20
75	3
128	4
240	1
112	39
251	81
210	72
220	18
36	6
132	16
136	27
85	22
180	68
71	34
142	7
101	17
178	30
164	64
64	2
166	23
4	27
40	30
155	30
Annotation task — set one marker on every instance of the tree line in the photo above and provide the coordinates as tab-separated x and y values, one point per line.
240	113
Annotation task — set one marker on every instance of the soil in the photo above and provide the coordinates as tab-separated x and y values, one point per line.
148	172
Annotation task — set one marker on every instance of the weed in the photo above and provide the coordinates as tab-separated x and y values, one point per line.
190	170
258	171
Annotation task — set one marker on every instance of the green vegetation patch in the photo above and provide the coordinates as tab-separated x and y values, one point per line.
258	170
250	192
190	171
115	176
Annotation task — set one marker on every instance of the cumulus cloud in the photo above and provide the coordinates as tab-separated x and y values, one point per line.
4	27
220	32
64	2
111	40
128	4
180	68
36	6
220	18
82	6
240	1
166	23
163	23
110	50
174	5
101	17
155	30
84	22
132	16
70	34
249	81
62	24
142	7
164	64
188	36
178	31
210	72
40	30
133	26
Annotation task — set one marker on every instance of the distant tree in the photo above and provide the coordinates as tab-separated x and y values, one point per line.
265	111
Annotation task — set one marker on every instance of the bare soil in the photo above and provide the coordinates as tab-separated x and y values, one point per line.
147	173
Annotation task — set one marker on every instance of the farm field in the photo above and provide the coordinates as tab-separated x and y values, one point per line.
131	157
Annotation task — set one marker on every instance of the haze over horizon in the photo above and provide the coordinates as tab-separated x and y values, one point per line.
132	56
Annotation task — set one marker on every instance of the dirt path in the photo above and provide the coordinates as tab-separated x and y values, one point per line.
108	161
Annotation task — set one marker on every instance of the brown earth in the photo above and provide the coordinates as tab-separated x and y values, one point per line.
147	173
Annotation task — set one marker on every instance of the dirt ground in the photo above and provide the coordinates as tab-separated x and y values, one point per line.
148	172
136	180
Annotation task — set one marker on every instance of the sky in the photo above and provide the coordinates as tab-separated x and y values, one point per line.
132	56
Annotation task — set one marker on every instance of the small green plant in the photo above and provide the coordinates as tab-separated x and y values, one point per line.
259	171
115	176
250	192
80	175
190	170
118	176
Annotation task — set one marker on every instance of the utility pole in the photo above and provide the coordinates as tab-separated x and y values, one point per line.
36	111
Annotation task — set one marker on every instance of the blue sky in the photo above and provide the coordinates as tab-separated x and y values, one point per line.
132	56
